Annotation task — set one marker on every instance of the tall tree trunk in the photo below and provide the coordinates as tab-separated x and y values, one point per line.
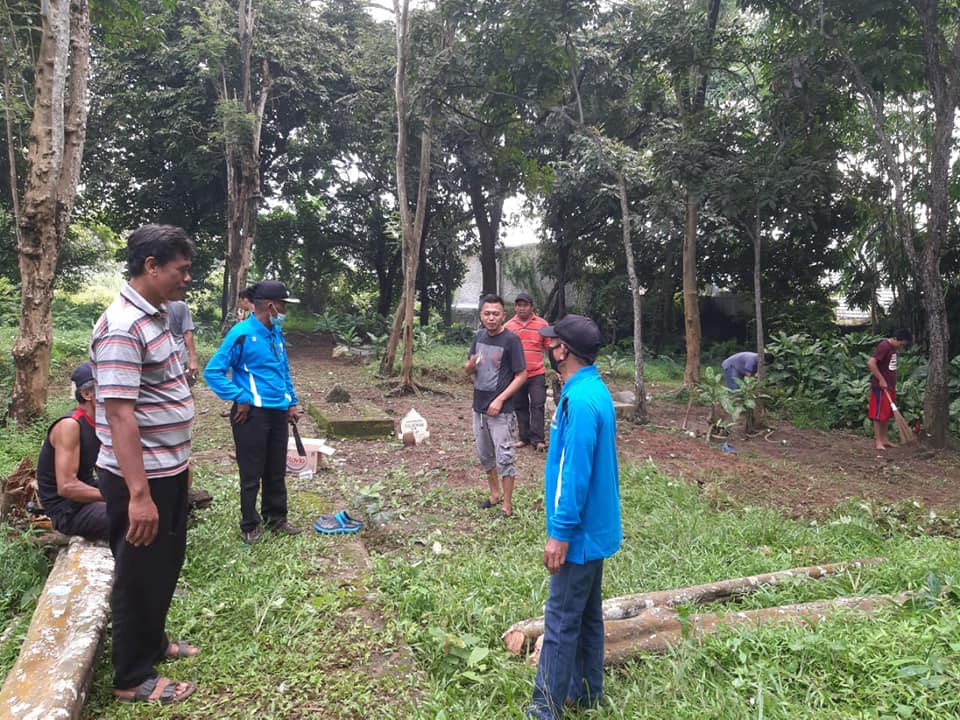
663	310
943	76
563	269
242	156
487	216
423	272
57	133
411	225
690	89
753	414
691	296
640	393
411	254
11	150
757	292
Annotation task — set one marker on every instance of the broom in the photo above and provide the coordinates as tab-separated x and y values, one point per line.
906	433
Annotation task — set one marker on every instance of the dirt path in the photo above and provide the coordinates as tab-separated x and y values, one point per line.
801	472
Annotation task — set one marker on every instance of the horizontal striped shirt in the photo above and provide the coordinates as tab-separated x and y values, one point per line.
134	358
534	344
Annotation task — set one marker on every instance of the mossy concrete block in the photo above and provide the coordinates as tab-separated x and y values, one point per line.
351	420
52	674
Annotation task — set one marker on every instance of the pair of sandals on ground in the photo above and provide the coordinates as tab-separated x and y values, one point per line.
163	690
338	524
539	447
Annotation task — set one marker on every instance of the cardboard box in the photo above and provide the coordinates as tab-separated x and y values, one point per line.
314	447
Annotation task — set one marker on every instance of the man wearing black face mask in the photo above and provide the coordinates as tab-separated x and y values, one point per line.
264	402
582	490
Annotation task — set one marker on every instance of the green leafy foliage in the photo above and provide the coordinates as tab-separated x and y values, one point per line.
714	392
25	568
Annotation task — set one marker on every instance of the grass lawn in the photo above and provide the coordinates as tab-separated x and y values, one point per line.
288	633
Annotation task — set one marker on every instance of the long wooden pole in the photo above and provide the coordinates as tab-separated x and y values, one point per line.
521	634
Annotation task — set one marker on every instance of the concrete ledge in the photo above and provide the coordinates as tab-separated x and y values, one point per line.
53	672
351	420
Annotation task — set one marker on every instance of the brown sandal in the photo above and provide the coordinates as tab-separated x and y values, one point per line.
146	692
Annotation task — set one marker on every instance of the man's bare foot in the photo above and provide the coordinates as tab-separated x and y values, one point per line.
880	447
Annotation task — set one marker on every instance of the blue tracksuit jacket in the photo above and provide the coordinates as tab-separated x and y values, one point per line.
259	372
582	479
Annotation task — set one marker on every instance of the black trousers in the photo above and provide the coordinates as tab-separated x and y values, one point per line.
261	444
529	403
144	577
89	522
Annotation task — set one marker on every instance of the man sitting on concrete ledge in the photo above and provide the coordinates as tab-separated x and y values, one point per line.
66	482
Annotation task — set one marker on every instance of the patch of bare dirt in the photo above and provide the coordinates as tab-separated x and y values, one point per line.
802	472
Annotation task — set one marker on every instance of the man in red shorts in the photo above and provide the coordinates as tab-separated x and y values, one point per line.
883	384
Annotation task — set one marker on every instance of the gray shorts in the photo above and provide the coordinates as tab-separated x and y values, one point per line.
493	437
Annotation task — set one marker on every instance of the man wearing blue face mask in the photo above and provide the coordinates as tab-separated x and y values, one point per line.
264	402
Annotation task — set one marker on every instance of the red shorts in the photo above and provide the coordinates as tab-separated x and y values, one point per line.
879	404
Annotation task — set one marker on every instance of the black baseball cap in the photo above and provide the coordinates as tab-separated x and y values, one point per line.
271	290
83	375
523	297
578	333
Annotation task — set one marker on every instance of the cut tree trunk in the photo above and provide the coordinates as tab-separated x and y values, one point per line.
661	628
525	632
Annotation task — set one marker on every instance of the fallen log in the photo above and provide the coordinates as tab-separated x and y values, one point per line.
521	634
659	628
50	678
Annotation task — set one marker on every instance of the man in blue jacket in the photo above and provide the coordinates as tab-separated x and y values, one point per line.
264	402
583	523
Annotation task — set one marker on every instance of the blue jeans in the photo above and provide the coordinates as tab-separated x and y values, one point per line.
571	661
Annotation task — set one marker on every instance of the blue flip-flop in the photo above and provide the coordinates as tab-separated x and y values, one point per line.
336	524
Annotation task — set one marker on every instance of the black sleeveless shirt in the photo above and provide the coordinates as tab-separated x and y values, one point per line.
54	505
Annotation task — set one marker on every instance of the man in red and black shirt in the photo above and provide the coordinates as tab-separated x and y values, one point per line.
532	397
66	482
883	384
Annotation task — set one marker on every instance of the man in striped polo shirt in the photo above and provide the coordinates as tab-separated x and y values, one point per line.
532	397
144	420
